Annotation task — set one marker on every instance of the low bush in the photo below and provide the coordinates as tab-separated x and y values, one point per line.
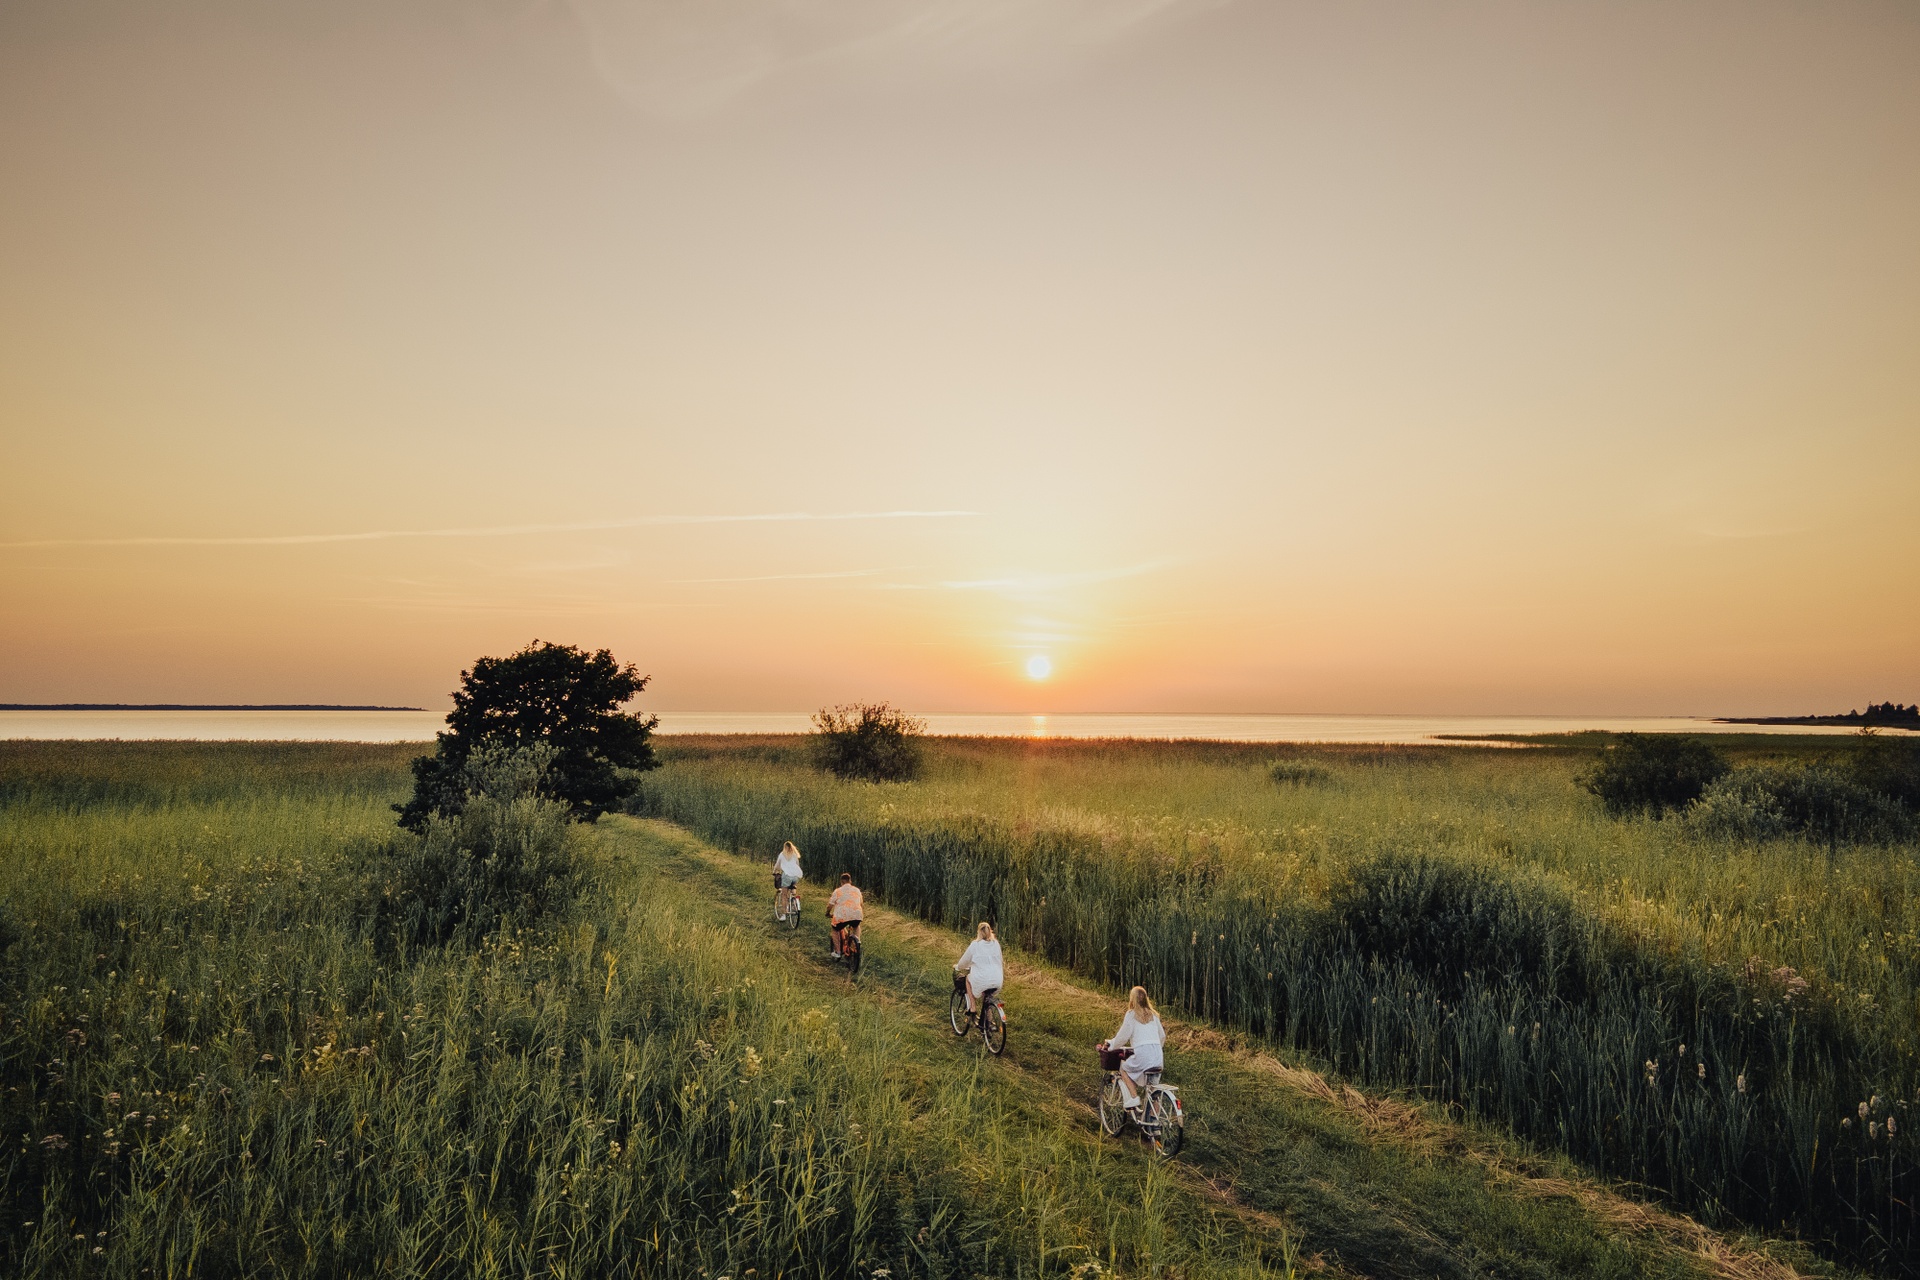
507	854
1654	773
869	742
1298	773
1816	801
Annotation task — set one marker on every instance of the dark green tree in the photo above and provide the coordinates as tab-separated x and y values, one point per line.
555	694
1654	772
871	742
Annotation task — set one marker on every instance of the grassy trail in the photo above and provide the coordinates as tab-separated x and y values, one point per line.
1358	1184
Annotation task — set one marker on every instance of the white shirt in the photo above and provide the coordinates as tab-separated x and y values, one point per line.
982	964
1138	1034
790	866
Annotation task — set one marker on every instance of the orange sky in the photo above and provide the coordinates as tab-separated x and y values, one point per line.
1231	356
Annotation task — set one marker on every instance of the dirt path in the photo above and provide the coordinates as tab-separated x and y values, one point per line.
1368	1184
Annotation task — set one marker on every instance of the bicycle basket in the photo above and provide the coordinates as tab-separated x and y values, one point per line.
1110	1059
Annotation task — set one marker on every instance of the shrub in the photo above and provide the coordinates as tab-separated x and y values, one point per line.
1297	773
1653	773
872	742
505	855
1889	767
1817	801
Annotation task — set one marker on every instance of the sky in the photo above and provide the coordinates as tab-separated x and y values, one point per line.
1050	356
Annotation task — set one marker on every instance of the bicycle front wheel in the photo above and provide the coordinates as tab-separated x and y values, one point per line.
1113	1107
993	1028
957	1016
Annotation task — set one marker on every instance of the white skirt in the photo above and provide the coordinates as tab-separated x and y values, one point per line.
1146	1057
982	980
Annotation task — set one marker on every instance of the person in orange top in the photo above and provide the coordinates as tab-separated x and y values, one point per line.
845	910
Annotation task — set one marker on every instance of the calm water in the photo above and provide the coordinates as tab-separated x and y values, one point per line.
419	726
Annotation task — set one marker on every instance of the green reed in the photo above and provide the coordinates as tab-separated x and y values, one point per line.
1703	1018
214	1062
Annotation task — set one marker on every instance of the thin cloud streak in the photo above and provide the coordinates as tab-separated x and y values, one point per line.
782	577
486	531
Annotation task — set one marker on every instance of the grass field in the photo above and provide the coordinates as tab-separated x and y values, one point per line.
217	1058
1729	1025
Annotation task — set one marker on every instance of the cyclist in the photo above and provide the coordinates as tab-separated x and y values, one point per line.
981	964
845	910
787	868
1141	1031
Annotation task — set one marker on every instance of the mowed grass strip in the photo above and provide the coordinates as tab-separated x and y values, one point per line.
1352	1182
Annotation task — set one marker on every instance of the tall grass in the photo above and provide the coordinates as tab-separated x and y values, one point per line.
216	1059
1729	1024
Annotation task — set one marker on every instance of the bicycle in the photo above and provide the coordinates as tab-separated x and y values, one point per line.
1159	1116
849	946
786	904
992	1019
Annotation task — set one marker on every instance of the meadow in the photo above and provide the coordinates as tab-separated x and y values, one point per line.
224	1052
248	1027
1730	1025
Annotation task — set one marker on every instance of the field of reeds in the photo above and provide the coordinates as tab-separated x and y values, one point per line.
244	1031
1729	1023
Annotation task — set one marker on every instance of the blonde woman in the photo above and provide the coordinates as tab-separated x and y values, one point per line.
1141	1031
982	965
787	874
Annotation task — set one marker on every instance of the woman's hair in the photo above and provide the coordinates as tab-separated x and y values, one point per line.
1140	1007
790	847
846	877
984	932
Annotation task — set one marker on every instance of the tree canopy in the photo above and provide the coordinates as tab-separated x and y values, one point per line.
554	694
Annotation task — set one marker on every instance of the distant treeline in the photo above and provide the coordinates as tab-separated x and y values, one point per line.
1878	715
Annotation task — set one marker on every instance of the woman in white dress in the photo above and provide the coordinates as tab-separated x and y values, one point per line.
1141	1031
982	965
787	867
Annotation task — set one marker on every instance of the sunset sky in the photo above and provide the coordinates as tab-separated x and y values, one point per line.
1418	357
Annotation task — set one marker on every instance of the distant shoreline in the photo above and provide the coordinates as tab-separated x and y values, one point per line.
1851	720
190	706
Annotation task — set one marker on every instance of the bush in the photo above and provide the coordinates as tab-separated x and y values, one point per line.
1653	773
871	742
1889	767
505	855
1816	801
1297	773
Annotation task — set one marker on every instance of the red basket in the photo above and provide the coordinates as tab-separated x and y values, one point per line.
1110	1059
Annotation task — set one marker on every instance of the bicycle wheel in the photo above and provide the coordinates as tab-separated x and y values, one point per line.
793	915
957	1016
993	1027
1166	1129
1113	1107
853	955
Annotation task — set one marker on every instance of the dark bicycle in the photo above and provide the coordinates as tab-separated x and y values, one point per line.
1159	1116
992	1018
849	956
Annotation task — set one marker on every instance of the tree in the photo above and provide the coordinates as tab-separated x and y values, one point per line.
1654	772
872	742
555	694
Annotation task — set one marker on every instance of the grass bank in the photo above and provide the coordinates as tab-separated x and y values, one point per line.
1731	1025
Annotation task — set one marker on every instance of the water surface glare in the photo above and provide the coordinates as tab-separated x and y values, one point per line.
420	726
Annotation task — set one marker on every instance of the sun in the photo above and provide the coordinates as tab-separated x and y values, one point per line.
1039	667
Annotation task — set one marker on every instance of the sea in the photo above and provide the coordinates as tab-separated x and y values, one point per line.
420	726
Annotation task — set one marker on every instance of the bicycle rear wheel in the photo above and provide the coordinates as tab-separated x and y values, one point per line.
993	1027
1113	1107
957	1016
853	955
1166	1128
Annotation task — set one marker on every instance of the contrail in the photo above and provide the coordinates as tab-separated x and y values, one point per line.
480	531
